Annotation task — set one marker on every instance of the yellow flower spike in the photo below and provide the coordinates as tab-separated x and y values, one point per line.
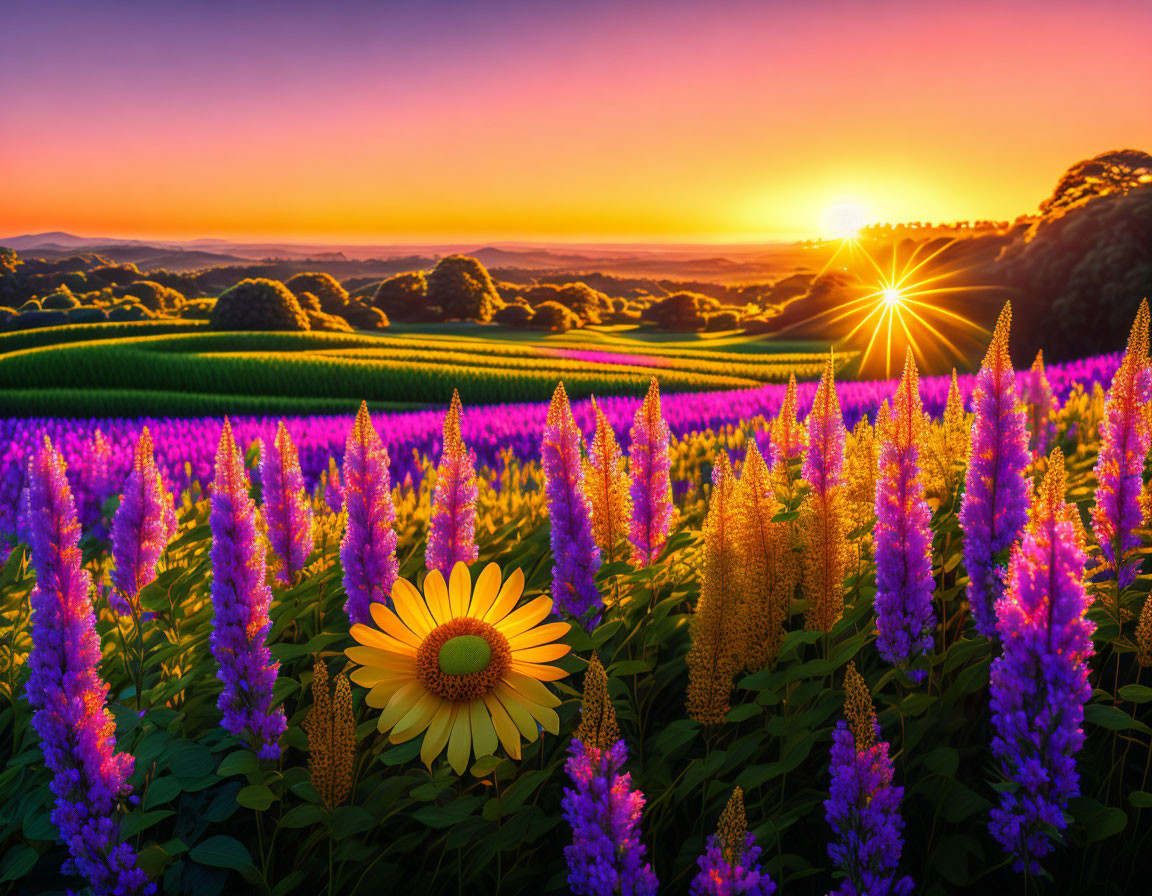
461	665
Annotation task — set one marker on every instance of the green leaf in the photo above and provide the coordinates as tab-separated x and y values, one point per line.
744	711
241	762
161	791
1113	718
133	824
222	851
255	796
17	862
350	820
1141	799
1136	693
303	816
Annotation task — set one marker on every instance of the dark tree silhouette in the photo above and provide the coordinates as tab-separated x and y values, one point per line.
333	297
258	304
554	316
1117	171
461	287
403	297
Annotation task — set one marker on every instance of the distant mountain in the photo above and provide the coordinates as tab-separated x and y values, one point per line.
56	239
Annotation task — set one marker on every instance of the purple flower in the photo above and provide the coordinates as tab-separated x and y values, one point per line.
1040	681
99	484
570	513
368	552
995	505
287	508
333	490
452	525
144	523
904	613
730	865
606	857
77	733
1125	437
863	806
240	598
650	465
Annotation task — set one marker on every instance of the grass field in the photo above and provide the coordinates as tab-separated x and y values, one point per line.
183	368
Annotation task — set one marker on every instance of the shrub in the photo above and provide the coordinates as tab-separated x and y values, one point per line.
724	320
197	309
129	311
514	315
554	316
683	311
258	304
327	289
404	296
461	287
60	301
364	317
309	302
30	305
86	314
30	320
154	296
116	274
331	323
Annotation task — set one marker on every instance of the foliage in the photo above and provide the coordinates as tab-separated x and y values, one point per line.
258	305
403	297
327	290
462	288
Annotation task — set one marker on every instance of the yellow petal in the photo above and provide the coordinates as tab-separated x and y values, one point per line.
411	609
541	634
485	591
513	703
367	676
459	589
530	688
392	625
536	670
402	701
483	732
505	727
371	637
459	741
381	659
525	617
545	716
437	734
542	654
382	692
436	593
416	719
510	592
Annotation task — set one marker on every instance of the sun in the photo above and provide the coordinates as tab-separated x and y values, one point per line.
891	297
843	220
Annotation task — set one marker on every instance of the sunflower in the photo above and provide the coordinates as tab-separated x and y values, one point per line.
462	665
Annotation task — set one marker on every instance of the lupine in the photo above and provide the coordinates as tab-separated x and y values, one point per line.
144	523
863	805
718	629
1125	437
995	505
772	568
861	467
99	485
608	486
452	524
333	490
1040	682
788	440
1041	406
730	865
904	615
947	446
576	557
240	598
606	857
823	519
77	733
651	484
368	551
287	508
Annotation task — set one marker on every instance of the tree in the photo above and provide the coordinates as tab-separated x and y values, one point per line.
1117	171
153	296
258	304
514	315
554	316
461	286
333	297
403	297
682	311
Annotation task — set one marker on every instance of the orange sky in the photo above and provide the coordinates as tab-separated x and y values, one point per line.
450	121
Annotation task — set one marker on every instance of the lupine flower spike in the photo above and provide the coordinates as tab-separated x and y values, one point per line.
1125	437
331	729
1041	406
947	446
772	567
143	524
576	557
788	439
77	733
995	505
241	597
904	615
651	463
718	630
452	525
824	514
333	489
606	857
368	551
608	486
863	806
730	866
287	509
1040	681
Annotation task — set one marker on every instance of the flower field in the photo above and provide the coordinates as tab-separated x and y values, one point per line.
850	637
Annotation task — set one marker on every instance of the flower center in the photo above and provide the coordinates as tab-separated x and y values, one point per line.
464	655
463	659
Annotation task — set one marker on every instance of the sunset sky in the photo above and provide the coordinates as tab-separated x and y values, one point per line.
540	120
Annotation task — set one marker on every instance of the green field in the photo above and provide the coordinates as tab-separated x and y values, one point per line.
184	368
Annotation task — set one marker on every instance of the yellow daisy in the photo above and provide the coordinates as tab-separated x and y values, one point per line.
463	665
